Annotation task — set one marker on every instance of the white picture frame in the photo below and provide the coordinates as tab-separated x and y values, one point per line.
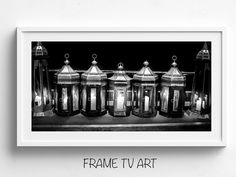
26	137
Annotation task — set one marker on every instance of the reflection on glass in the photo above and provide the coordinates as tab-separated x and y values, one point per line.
45	84
204	102
146	103
64	98
120	99
37	99
56	99
37	93
146	100
198	104
176	100
75	95
199	101
110	98
93	99
195	98
135	98
158	96
103	93
84	98
129	98
45	96
164	97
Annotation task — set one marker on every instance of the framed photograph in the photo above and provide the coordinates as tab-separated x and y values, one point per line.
120	86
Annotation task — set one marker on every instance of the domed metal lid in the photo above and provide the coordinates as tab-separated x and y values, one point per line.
94	73
145	74
204	54
174	77
39	50
120	75
66	75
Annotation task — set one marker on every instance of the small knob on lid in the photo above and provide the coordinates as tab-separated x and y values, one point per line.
94	56
174	58
39	43
39	46
205	46
66	57
145	63
120	66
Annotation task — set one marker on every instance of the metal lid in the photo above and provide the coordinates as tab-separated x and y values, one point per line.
39	50
173	77
120	75
66	75
94	73
204	54
145	74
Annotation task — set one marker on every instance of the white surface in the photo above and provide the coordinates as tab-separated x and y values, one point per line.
61	162
28	138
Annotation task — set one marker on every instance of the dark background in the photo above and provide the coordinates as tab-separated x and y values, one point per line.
132	54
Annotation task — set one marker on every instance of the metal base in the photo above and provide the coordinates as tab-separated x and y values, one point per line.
171	115
93	114
61	113
144	115
120	114
202	112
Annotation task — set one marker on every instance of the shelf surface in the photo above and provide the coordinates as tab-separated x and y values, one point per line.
107	122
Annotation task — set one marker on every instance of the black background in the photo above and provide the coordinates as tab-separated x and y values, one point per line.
132	54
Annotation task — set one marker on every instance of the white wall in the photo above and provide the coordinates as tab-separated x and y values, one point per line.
61	162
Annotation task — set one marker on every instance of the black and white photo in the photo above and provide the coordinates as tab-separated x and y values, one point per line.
121	86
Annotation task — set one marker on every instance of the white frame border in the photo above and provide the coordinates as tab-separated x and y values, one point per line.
22	136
